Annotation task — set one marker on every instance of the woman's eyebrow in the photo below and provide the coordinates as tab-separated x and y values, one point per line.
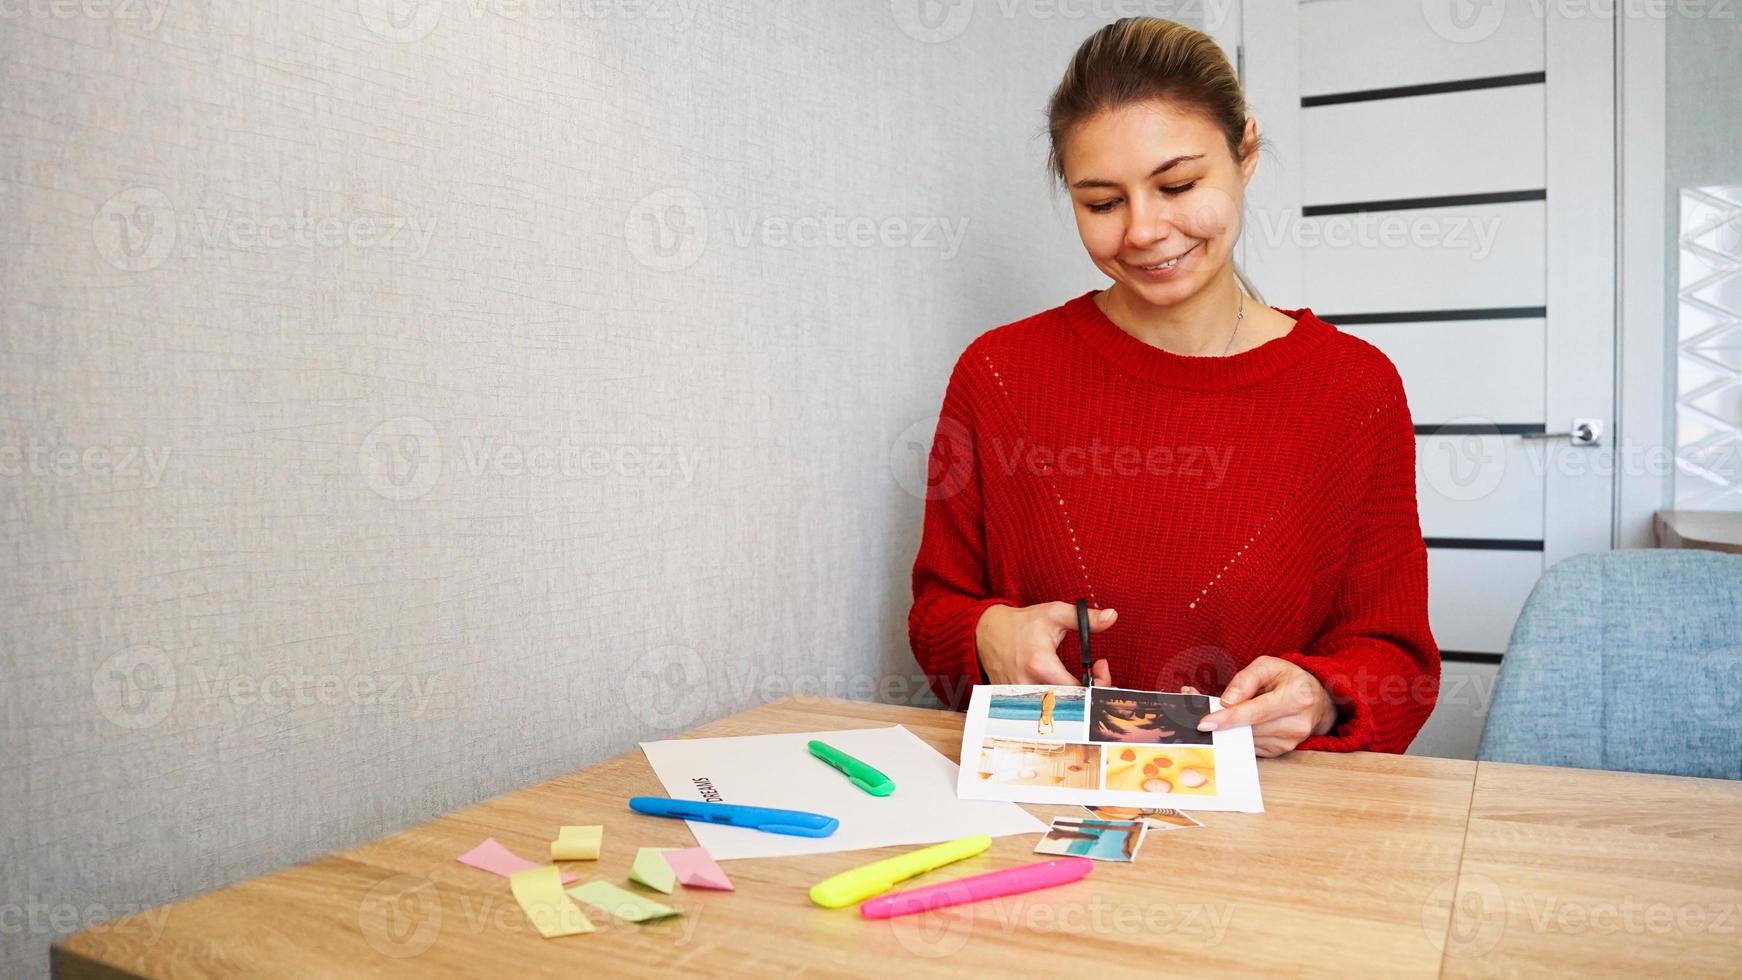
1163	168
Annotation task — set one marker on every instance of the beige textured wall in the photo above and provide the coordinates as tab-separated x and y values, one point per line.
404	401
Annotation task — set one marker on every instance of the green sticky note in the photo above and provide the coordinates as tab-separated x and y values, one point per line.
623	904
652	869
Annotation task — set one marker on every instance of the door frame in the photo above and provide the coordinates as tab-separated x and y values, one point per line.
1645	373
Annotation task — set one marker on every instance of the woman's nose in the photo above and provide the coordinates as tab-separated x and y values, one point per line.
1150	222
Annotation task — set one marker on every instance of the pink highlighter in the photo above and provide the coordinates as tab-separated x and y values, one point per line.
1010	881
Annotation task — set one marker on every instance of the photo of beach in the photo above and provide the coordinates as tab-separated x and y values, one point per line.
1098	840
1177	770
1151	717
1018	711
1012	762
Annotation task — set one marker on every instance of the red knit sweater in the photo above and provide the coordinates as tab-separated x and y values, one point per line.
1228	507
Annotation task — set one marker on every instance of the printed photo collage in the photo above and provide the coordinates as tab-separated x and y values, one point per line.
1098	738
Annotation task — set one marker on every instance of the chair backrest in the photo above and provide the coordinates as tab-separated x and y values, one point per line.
1628	660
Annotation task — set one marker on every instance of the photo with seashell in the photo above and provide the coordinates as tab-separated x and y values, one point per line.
1172	770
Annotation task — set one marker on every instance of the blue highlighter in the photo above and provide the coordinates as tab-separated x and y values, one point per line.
793	823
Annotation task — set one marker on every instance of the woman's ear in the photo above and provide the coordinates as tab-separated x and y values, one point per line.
1249	150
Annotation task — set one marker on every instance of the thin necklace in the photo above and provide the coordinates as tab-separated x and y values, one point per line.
1239	315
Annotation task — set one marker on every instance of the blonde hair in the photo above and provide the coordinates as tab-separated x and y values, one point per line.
1137	59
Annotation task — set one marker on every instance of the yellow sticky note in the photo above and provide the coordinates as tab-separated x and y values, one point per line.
620	902
577	843
651	869
540	894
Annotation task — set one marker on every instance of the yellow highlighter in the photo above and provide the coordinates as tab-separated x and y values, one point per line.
874	879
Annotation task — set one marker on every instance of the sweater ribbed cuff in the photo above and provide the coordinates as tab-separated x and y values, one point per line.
1353	731
956	655
1382	696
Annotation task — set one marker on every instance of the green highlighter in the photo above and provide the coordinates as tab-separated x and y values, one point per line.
861	775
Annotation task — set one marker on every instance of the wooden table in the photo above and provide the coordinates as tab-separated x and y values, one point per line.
1363	865
1581	872
1713	530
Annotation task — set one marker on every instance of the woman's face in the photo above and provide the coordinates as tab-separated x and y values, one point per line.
1157	196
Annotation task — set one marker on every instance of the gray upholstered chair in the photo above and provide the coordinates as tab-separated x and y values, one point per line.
1628	660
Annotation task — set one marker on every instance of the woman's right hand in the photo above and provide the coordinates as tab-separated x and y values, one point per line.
1019	645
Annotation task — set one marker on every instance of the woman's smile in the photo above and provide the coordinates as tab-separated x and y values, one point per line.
1165	269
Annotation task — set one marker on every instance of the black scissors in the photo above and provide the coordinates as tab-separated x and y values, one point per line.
1083	641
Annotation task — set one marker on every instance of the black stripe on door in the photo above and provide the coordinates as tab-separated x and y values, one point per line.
1431	88
1416	203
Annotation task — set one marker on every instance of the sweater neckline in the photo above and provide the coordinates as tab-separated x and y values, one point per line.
1184	371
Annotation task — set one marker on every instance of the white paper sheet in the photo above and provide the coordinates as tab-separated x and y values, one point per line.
1104	746
779	771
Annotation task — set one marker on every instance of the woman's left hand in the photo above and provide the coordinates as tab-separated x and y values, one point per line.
1283	703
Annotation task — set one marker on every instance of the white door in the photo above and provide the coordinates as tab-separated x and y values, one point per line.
1441	184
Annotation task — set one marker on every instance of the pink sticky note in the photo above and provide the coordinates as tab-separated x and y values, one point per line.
696	868
498	860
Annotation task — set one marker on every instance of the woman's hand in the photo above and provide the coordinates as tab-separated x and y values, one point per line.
1283	703
1019	645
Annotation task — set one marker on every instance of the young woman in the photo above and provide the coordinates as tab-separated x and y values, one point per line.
1230	486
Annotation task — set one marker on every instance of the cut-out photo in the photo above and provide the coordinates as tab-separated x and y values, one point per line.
1011	762
1150	717
1174	770
1098	840
1038	712
1158	818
